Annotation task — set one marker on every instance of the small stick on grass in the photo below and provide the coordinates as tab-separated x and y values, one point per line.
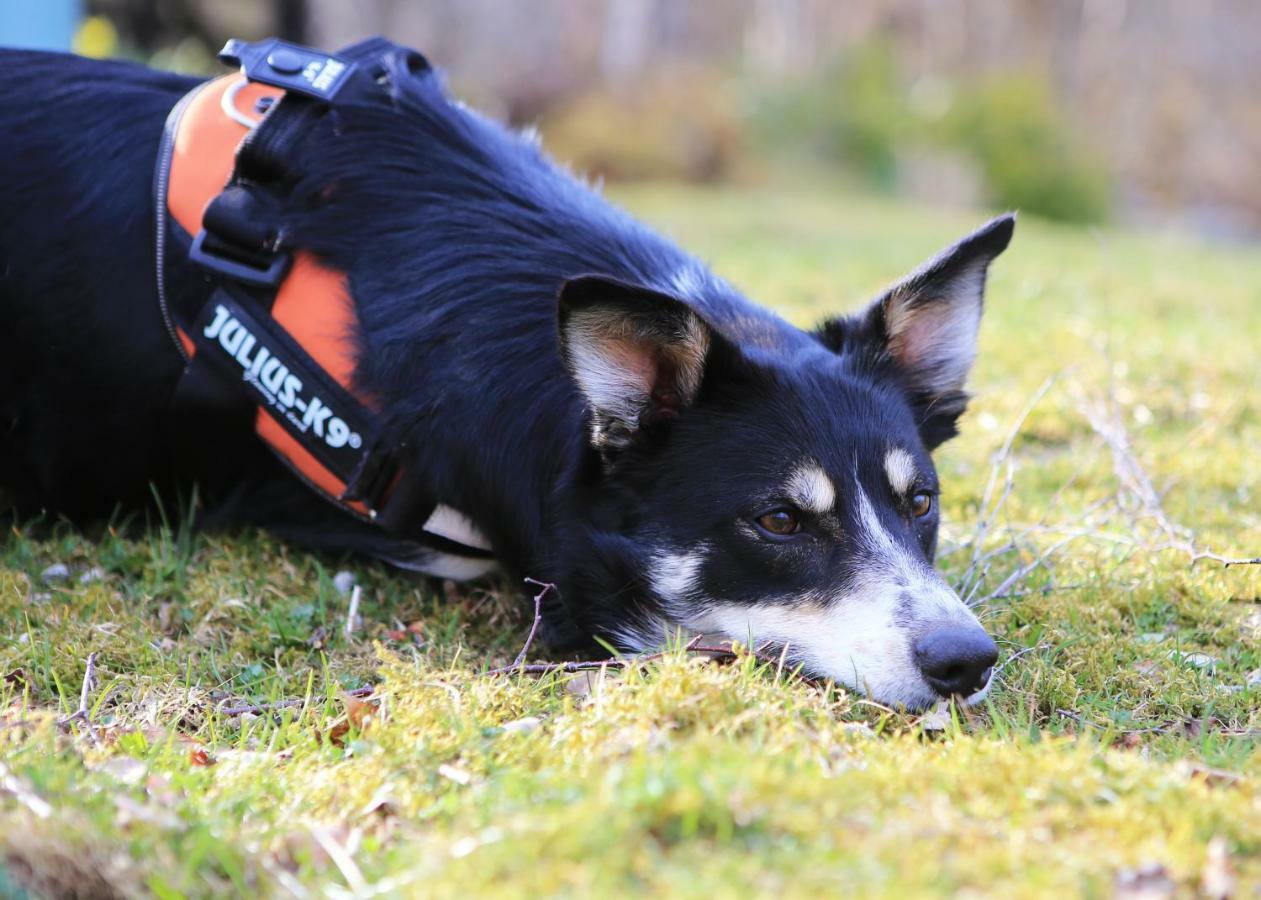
83	714
544	587
693	646
260	708
352	614
23	793
1106	422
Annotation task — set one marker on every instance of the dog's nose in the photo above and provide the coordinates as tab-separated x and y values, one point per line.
956	660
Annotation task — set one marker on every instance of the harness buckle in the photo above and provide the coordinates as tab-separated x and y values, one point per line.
239	237
233	261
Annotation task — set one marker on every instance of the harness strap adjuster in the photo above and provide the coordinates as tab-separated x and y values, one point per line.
240	238
372	477
231	261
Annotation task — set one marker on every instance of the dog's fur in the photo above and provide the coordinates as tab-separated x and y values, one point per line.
622	443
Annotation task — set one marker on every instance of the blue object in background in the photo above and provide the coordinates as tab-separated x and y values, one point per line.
39	24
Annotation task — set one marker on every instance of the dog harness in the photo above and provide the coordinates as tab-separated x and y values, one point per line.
268	336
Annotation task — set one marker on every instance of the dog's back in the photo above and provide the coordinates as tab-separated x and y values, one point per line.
85	366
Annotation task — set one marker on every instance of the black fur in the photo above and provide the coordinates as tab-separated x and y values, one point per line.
457	237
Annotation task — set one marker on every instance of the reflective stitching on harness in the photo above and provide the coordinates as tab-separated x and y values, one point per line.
161	180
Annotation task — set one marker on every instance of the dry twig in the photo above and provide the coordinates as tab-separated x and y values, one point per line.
1107	424
626	662
83	713
259	708
352	614
544	587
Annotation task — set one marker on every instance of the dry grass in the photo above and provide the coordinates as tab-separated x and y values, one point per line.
1106	467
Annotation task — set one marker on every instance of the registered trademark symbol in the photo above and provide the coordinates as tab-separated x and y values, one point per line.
354	440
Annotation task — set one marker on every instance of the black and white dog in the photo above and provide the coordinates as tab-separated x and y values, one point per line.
578	392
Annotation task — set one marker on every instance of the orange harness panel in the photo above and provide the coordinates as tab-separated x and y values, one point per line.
312	304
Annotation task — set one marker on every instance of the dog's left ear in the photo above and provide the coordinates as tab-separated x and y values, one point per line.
926	326
636	354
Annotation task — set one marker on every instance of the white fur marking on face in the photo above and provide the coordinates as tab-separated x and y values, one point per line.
851	638
860	633
811	489
455	526
674	575
900	467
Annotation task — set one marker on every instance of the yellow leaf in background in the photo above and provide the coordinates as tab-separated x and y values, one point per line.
96	37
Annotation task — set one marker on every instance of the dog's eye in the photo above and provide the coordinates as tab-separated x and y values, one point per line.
779	522
921	504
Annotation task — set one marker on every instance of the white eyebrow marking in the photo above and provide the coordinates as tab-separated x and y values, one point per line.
810	488
900	468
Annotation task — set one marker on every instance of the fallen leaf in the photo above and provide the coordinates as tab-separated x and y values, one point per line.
360	711
466	845
1196	660
336	732
382	802
23	792
937	719
1150	881
529	723
1210	776
1130	740
159	789
130	810
1217	879
125	769
453	773
55	573
198	756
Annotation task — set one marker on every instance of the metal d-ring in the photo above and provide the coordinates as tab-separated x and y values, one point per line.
227	102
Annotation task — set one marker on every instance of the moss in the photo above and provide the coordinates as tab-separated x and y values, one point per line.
1104	750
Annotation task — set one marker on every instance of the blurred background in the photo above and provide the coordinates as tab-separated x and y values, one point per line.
1085	111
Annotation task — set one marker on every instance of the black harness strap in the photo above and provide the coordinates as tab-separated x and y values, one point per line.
244	359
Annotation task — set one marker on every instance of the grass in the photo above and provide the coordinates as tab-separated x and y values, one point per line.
1122	745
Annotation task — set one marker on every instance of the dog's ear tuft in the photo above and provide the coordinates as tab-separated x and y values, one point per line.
927	326
636	354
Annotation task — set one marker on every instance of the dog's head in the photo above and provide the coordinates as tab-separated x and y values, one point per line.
774	486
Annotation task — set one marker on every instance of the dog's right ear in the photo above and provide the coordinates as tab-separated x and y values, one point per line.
636	354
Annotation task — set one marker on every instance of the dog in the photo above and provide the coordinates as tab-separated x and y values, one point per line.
582	397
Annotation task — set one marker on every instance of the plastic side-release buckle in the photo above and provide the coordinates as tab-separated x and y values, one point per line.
290	66
239	237
228	260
